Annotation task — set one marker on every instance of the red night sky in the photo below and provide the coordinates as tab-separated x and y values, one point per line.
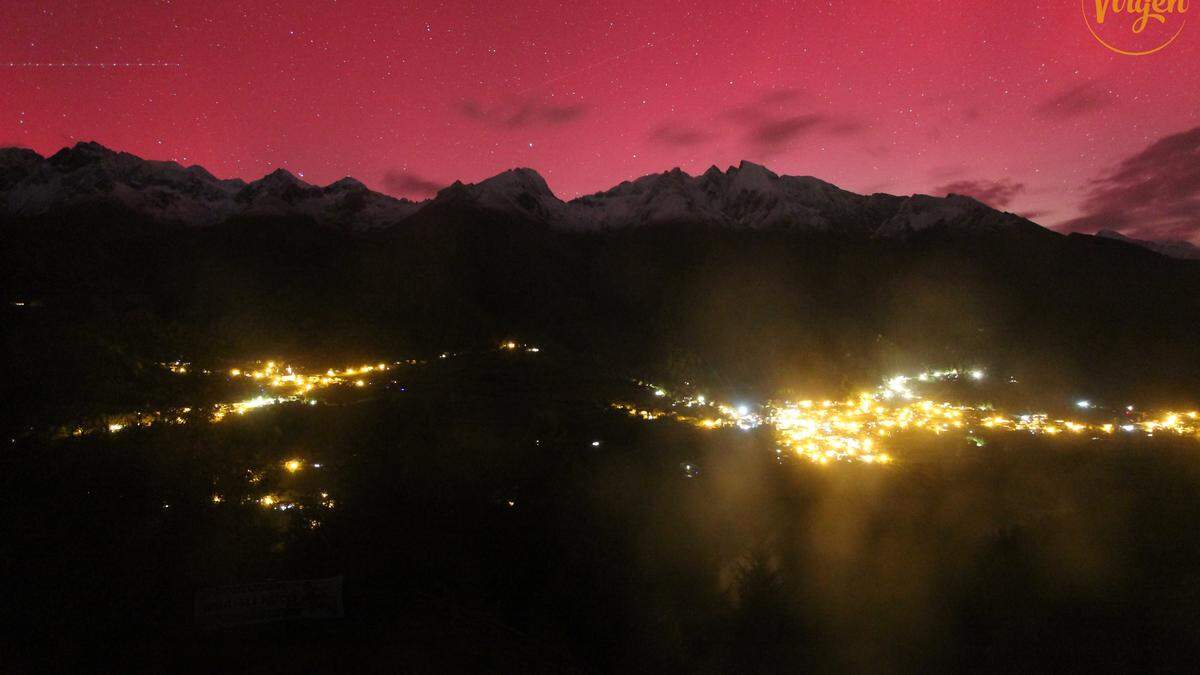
1013	102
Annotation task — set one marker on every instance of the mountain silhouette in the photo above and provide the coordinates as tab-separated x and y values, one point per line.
742	276
1173	248
89	176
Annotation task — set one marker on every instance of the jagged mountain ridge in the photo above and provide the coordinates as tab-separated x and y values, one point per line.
1172	248
745	196
90	175
749	195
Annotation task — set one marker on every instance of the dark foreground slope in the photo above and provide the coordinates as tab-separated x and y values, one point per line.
478	528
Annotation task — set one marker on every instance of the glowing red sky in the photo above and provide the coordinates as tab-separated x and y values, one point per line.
1013	101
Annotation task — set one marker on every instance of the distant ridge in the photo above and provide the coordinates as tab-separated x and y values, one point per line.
88	175
746	196
1173	248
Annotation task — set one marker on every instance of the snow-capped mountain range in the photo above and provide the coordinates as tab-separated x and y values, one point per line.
746	196
743	196
89	174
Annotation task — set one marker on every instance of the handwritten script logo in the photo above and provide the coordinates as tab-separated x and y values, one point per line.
1121	25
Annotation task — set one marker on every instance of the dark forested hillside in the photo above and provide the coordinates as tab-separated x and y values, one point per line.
93	296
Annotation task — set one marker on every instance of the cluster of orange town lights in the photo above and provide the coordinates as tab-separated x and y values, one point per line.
859	428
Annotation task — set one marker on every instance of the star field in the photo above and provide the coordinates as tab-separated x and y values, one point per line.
1014	103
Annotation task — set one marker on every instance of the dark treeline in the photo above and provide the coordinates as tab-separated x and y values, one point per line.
760	310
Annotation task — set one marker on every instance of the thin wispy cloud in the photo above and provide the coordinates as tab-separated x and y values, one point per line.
996	193
524	114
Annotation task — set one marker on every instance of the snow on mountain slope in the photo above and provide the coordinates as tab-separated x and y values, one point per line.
747	196
1172	248
751	196
519	192
88	174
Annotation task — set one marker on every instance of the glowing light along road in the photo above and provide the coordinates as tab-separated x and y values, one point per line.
277	383
858	429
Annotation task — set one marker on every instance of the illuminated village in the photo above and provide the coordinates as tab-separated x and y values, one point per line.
854	429
858	429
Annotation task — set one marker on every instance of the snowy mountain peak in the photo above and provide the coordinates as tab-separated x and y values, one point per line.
17	156
748	195
88	175
201	173
280	178
87	149
81	154
752	169
15	164
516	192
1172	248
346	184
519	179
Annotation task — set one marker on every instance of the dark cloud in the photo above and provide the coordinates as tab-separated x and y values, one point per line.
768	127
679	136
778	131
1153	194
472	109
769	134
767	124
405	184
1074	101
995	193
770	103
517	115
